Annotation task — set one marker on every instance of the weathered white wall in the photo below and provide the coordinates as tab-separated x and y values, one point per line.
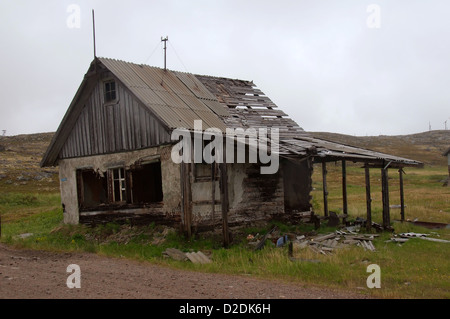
169	170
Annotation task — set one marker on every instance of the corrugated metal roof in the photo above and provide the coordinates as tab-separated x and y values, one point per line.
174	97
195	85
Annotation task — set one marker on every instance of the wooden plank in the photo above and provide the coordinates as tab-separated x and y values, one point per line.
324	237
224	201
204	257
186	197
344	190
175	254
265	112
213	191
325	190
194	258
402	197
385	197
368	198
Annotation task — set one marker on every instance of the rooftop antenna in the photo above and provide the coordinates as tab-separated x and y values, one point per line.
93	32
445	124
165	50
4	132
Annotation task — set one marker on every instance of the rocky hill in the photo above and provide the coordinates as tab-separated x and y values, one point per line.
20	155
426	147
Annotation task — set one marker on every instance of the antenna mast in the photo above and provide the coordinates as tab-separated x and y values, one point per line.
165	50
93	32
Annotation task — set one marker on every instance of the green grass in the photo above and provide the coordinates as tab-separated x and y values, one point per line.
416	269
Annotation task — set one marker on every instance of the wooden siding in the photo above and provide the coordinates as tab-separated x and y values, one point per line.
108	128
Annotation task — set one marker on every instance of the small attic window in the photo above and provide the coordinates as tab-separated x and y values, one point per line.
109	88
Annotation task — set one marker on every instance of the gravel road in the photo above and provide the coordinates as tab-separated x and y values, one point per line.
29	274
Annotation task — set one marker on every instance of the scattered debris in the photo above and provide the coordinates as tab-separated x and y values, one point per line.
195	257
282	240
404	237
198	258
410	235
262	242
175	254
327	243
435	239
429	225
25	235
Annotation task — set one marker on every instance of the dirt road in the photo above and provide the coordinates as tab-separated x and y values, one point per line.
26	274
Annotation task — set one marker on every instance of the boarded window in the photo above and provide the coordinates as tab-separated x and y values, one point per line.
147	183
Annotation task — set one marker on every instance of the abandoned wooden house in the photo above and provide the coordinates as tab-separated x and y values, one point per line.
113	148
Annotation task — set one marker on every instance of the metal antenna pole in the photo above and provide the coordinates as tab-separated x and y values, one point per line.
165	50
93	32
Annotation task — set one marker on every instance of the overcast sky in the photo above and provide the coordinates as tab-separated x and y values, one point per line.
349	66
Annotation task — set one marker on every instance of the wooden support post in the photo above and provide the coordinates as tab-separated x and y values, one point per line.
385	196
368	198
213	191
344	191
325	190
186	204
402	197
224	202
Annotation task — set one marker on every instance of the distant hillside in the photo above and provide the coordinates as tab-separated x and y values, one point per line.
20	156
426	147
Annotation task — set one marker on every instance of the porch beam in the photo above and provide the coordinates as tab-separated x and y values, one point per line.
224	201
368	198
385	197
186	203
402	197
325	189
344	191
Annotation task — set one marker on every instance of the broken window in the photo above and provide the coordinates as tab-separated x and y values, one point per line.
92	188
119	190
146	183
139	185
110	91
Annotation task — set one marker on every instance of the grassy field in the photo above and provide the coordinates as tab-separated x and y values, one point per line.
416	269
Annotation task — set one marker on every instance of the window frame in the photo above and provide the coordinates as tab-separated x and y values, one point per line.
122	183
106	92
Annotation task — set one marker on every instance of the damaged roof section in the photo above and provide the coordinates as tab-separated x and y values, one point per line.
249	107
